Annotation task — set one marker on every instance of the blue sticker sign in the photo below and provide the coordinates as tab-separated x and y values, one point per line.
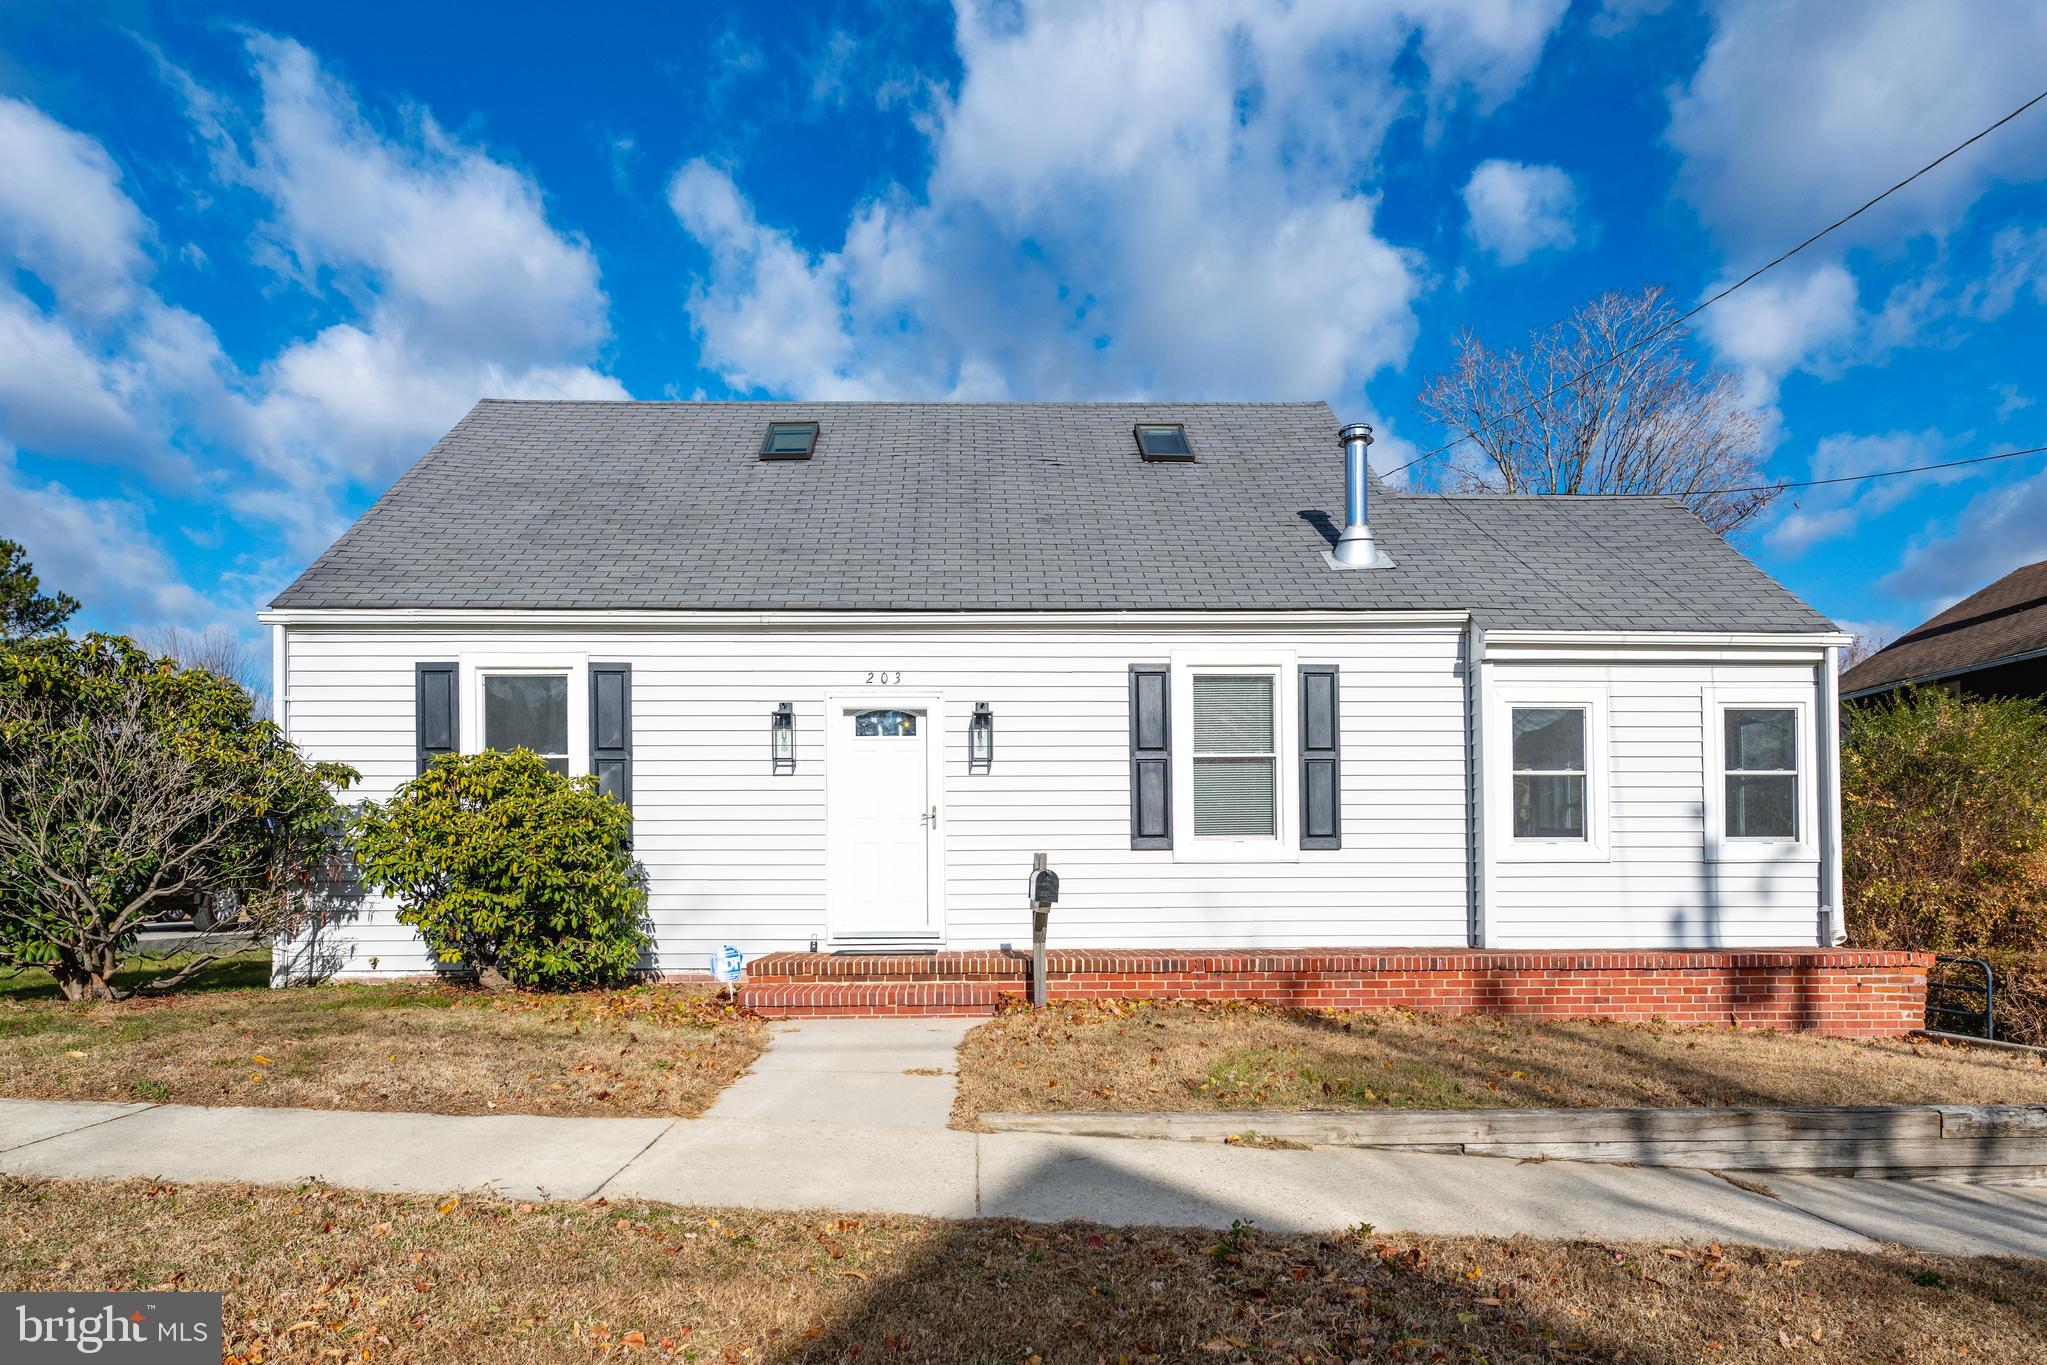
728	964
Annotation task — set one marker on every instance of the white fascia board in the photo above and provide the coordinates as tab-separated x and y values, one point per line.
1651	645
435	616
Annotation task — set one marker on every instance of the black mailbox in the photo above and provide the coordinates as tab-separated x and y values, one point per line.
1044	886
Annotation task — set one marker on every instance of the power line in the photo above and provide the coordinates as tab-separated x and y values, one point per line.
1878	474
1699	308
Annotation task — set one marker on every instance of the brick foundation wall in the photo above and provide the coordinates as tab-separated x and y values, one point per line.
1849	992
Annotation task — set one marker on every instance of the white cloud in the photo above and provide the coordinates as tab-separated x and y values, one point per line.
100	550
1797	113
1515	209
1809	516
1781	323
1124	200
63	215
456	243
451	283
462	288
1999	530
54	395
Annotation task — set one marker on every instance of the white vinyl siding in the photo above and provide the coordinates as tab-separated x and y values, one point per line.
1664	878
736	852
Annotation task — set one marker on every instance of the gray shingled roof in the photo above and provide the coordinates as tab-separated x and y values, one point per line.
995	507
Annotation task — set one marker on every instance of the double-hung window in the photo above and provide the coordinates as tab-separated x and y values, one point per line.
528	711
1546	756
1236	756
1550	796
1759	756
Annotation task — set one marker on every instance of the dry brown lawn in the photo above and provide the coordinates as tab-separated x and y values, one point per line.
1196	1056
323	1274
414	1046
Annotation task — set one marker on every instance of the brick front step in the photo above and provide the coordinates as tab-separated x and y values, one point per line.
1854	992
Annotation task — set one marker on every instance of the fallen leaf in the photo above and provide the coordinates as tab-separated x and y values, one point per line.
449	1207
260	1060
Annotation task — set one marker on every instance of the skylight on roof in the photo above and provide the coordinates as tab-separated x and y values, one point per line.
1163	441
789	441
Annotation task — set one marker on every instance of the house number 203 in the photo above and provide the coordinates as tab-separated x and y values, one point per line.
887	677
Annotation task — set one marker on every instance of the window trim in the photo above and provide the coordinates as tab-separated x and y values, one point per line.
1722	847
474	668
1591	698
1283	845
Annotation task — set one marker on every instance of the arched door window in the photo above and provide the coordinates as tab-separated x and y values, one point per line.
885	724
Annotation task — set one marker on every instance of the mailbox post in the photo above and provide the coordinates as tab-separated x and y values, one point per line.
1043	892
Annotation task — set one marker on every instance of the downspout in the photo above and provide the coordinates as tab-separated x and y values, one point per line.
1479	879
1833	925
277	712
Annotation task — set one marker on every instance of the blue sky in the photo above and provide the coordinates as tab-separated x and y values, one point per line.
255	259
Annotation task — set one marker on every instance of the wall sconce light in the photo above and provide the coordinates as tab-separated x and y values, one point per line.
782	737
981	738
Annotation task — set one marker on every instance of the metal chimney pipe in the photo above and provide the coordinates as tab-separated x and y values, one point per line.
1355	548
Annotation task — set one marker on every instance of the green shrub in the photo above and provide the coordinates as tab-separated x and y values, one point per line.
510	869
129	784
1944	822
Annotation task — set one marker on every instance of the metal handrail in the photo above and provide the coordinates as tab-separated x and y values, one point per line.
1987	1016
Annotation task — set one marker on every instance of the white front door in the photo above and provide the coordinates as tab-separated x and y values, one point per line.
882	816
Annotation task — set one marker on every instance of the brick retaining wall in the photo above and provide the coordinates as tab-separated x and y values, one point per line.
1852	992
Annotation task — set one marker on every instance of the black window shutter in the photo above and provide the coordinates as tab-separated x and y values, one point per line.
1321	785
611	729
1151	759
434	711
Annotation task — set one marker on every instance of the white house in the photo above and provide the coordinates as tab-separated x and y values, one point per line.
853	664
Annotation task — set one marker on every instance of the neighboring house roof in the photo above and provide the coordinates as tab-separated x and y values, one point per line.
997	507
2004	621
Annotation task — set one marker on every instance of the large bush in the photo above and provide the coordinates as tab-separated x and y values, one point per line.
1944	822
510	869
127	786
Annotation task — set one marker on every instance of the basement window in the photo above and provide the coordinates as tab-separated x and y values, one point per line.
1163	441
789	441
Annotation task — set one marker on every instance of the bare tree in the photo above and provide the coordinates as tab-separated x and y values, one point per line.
1627	415
1860	647
219	651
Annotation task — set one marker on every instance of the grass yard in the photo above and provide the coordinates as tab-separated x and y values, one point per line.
1194	1056
319	1273
228	1039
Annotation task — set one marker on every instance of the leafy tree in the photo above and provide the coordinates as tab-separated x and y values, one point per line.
25	613
1604	402
128	784
510	869
1944	822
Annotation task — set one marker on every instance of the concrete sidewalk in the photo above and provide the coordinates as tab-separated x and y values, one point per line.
782	1164
860	1073
850	1115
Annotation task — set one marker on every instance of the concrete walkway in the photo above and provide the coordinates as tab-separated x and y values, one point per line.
835	1117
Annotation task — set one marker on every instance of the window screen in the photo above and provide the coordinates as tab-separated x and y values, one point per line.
1236	767
528	712
1549	772
1761	748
